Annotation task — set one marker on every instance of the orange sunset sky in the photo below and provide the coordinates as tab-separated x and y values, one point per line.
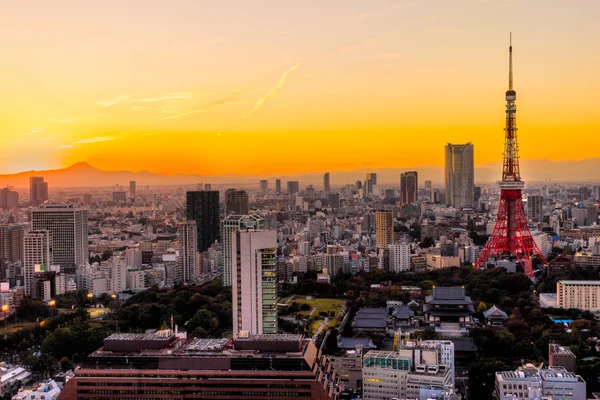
212	87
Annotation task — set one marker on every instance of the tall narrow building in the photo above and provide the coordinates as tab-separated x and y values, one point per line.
370	181
293	187
132	190
534	208
277	186
460	175
8	198
68	225
384	229
38	251
187	245
409	187
264	187
236	201
38	190
203	207
326	185
254	286
231	224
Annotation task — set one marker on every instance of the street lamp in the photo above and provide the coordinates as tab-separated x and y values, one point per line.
4	311
51	304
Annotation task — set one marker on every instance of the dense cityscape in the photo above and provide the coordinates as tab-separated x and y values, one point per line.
390	284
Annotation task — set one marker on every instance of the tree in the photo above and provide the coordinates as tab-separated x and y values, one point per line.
481	307
482	375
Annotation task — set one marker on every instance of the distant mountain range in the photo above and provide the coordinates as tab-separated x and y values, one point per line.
85	175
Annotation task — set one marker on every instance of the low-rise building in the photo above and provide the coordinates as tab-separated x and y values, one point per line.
532	383
584	295
48	390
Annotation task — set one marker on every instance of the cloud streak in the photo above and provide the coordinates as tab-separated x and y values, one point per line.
64	121
211	105
170	96
273	92
94	139
37	130
110	103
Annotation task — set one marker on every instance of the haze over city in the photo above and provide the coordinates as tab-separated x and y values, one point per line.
266	88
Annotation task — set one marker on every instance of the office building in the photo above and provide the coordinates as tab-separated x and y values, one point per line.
119	197
277	186
188	242
334	200
87	199
68	225
326	185
399	257
47	390
384	231
459	175
584	295
409	187
529	382
37	251
596	192
236	202
11	242
132	190
234	223
38	191
203	207
476	196
560	356
370	181
584	193
8	198
274	366
293	187
535	211
580	216
264	187
254	282
429	191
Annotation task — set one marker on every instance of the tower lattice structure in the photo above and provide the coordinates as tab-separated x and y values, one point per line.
511	236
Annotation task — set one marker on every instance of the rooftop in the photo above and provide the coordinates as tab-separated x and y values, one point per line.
566	282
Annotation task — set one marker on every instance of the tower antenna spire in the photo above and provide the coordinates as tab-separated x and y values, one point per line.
510	71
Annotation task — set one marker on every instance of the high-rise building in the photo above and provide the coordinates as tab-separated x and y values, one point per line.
596	192
37	251
68	225
8	198
409	187
535	211
203	207
233	223
584	295
236	201
334	200
370	181
11	242
326	186
384	230
460	175
132	190
428	191
264	187
277	186
293	187
583	193
188	250
87	199
399	257
476	195
254	282
38	190
207	187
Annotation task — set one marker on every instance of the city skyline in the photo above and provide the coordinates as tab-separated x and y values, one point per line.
185	88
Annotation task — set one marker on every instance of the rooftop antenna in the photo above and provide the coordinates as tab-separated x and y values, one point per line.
510	69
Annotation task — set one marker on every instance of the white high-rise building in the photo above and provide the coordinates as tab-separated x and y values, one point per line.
37	251
460	175
136	280
187	262
254	283
68	225
117	270
399	257
134	257
231	224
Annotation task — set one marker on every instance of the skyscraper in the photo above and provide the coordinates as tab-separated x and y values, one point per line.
370	182
428	191
132	190
399	257
277	186
583	194
233	223
264	187
8	198
38	190
409	187
596	192
38	251
460	175
326	186
384	229
534	208
188	242
68	225
236	201
203	207
11	242
254	283
293	187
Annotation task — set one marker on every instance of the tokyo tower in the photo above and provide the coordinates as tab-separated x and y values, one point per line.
511	234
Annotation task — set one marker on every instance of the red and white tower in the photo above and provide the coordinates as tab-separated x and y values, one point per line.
511	236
